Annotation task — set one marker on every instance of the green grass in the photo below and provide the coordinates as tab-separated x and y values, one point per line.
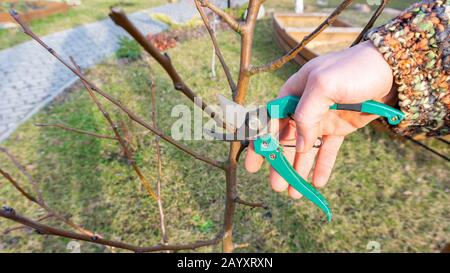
163	18
381	190
89	11
128	48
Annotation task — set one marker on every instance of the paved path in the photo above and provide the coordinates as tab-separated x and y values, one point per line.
30	77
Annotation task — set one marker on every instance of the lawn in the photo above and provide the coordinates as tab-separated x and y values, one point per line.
89	11
382	190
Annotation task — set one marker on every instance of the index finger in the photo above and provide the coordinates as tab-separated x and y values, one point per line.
253	161
293	86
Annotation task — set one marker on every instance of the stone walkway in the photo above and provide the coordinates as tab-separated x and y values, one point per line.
31	78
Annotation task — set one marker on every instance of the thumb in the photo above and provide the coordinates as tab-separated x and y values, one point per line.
312	108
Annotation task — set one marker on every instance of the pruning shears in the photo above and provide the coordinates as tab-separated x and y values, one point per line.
253	125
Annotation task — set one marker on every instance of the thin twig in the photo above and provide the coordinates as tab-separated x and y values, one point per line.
10	213
280	62
216	46
234	25
120	139
64	127
372	21
43	205
428	148
17	186
240	246
130	114
250	204
9	230
164	236
443	141
127	136
23	170
121	19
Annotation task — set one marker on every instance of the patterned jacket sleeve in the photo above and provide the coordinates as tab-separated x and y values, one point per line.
417	46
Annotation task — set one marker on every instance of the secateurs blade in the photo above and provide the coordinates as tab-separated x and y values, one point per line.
252	124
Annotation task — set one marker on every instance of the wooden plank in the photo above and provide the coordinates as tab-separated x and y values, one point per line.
289	30
48	8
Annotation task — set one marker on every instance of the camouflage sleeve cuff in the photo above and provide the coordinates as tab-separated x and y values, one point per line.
417	46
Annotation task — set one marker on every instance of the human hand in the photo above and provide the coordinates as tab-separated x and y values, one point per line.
350	76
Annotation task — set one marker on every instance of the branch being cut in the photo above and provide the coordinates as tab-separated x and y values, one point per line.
216	46
64	127
234	25
372	21
235	147
280	62
248	30
10	213
121	19
96	89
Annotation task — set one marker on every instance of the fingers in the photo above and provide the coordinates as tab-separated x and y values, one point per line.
326	159
293	86
287	137
253	161
314	104
303	164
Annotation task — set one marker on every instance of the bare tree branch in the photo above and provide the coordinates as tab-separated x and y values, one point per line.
235	147
9	230
372	21
164	236
120	139
22	169
94	88
43	205
9	213
121	19
216	47
18	187
234	25
240	246
67	128
250	204
280	62
246	31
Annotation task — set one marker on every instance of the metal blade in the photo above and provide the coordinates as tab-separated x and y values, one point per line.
233	113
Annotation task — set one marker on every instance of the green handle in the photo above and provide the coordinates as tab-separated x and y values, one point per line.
285	107
269	148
